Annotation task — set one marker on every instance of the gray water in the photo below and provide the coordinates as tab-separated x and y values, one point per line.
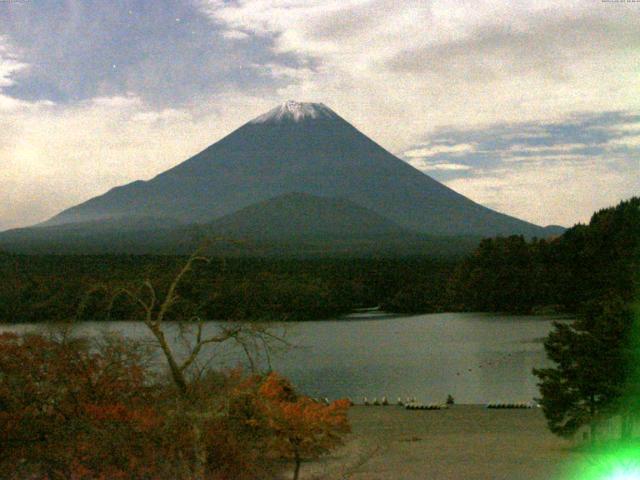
477	358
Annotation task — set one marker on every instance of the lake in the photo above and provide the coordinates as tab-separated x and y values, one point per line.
477	358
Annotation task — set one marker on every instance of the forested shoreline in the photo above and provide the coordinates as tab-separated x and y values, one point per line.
588	263
504	274
53	287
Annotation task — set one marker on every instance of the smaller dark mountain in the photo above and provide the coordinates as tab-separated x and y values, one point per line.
552	231
301	215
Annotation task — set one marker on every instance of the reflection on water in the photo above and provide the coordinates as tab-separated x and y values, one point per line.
477	358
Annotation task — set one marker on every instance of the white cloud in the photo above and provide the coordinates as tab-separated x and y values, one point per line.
444	166
519	147
8	104
547	158
165	115
436	149
630	141
564	194
235	35
401	68
9	64
628	127
117	102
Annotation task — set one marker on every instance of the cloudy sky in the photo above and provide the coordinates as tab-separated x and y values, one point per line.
529	107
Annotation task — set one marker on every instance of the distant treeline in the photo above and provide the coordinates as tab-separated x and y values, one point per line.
503	275
58	287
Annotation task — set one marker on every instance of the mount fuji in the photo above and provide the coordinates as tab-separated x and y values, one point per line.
296	148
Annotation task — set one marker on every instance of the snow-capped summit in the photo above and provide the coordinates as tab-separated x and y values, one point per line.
296	112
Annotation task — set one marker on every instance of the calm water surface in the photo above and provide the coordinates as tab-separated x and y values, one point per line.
477	358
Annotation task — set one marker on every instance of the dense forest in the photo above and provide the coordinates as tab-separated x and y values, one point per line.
586	264
504	274
50	287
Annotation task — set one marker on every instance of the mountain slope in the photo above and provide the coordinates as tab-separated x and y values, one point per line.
306	148
107	235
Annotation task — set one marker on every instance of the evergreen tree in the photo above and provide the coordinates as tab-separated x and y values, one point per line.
592	371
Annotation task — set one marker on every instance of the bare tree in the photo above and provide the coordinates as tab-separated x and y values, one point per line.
251	338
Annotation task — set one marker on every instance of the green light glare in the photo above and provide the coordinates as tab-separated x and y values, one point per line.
626	474
621	462
616	459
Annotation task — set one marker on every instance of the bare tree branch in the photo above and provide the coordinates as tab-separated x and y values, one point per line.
171	296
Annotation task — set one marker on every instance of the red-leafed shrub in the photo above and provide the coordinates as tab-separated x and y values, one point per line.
74	411
69	411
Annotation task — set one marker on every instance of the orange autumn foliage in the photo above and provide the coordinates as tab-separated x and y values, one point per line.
267	422
65	411
303	428
69	410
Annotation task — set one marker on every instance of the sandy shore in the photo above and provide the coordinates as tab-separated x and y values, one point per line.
463	442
